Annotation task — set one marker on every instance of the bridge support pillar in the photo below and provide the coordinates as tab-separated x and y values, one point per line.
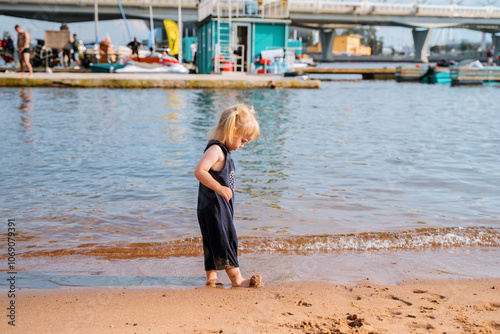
326	36
495	40
421	43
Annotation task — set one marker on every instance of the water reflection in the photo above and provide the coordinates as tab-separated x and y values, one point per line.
26	107
175	105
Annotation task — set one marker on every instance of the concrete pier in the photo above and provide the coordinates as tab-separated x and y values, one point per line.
166	81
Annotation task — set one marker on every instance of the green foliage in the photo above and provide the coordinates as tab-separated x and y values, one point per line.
368	38
439	48
307	40
467	46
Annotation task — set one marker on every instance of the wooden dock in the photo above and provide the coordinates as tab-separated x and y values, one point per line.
471	76
367	73
408	74
165	81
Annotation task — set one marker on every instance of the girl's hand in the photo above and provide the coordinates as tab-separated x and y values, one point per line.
225	192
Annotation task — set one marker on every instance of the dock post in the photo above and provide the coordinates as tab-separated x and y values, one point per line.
326	37
421	43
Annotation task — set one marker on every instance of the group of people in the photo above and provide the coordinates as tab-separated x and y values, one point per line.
24	50
71	52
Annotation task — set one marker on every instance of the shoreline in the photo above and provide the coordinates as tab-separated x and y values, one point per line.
411	306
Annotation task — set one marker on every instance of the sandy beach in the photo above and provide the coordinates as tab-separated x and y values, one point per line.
417	306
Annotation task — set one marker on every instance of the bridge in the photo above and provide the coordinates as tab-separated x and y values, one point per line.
325	15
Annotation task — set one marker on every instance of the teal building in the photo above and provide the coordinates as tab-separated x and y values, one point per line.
232	34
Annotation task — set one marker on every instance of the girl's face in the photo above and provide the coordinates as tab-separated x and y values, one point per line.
237	143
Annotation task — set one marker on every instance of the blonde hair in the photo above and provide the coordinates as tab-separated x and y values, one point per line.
238	120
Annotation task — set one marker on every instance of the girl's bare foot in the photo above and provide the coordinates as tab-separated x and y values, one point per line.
244	283
212	283
211	277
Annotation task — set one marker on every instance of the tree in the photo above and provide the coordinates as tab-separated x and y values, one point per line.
466	46
438	48
368	38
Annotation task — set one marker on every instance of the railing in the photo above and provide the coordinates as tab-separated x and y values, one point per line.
125	3
270	9
379	8
222	59
281	8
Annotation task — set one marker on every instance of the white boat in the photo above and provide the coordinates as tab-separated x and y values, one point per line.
138	67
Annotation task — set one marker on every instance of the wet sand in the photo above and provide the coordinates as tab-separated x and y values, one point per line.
417	306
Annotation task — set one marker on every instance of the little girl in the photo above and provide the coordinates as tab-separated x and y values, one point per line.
215	171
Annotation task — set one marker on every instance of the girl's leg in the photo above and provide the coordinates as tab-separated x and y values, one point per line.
211	277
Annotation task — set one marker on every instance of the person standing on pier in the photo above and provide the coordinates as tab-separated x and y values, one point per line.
23	49
135	46
489	55
76	51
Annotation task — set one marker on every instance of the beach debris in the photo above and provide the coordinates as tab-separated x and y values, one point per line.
302	303
419	291
411	315
256	281
316	327
401	300
134	324
355	321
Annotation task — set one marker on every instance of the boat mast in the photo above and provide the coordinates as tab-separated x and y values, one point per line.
96	19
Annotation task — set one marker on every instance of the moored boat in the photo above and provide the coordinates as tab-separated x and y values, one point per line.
105	68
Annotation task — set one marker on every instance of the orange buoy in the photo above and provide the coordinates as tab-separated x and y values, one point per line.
228	67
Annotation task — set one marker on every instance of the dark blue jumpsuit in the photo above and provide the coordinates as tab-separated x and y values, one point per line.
215	216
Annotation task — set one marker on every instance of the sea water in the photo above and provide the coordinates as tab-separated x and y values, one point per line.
357	179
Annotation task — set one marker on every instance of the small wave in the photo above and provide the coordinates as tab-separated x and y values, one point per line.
415	239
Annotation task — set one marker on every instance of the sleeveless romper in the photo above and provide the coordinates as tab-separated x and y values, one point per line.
215	216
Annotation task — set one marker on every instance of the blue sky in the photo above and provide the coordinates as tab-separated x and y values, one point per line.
393	36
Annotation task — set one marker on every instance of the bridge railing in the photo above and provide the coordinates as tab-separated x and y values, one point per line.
125	3
275	9
392	9
379	8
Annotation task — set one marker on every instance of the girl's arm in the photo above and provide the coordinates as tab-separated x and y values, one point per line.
210	158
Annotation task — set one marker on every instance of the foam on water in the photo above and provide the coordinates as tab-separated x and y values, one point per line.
418	239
